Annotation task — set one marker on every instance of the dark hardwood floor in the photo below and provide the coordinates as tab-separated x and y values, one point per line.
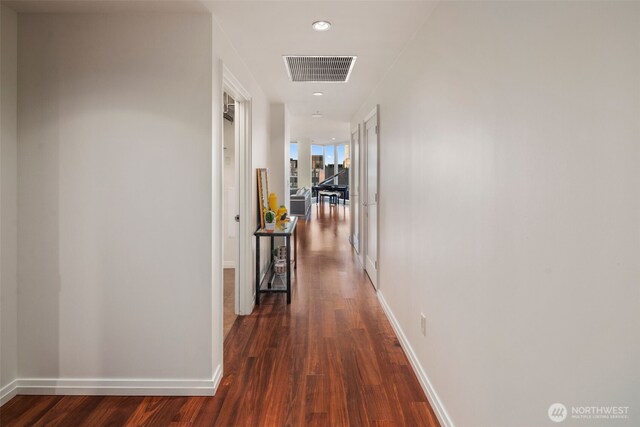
229	304
328	359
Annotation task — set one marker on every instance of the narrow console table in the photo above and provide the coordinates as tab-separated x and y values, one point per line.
286	230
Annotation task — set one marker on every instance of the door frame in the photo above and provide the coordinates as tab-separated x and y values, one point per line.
375	112
244	180
354	238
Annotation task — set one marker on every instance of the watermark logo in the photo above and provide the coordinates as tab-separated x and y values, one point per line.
557	412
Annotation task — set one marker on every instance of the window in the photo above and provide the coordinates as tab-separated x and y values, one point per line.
341	151
317	164
329	161
293	161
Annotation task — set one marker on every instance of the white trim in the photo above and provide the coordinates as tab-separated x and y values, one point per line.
233	85
104	387
247	216
217	227
229	264
217	378
432	396
364	198
8	392
354	183
122	387
371	114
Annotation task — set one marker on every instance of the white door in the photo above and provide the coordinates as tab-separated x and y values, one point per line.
371	198
354	194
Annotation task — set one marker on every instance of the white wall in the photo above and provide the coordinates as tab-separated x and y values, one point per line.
115	199
510	145
279	166
230	197
8	202
304	162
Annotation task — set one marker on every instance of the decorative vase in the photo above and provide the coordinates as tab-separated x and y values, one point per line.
273	202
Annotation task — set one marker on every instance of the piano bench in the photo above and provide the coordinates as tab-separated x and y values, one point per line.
334	198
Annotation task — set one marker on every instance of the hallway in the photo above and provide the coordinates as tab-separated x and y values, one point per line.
329	359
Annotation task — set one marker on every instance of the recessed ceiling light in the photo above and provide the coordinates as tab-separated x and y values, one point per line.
321	25
317	114
318	93
333	139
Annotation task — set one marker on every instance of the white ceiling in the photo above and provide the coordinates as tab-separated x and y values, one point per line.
319	131
263	31
375	31
106	6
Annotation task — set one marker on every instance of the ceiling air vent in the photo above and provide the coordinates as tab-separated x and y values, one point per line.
319	68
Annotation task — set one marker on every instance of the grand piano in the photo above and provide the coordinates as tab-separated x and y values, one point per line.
328	186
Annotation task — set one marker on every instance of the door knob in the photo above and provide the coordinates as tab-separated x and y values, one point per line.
237	218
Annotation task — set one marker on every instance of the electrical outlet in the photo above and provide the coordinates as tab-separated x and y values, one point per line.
423	324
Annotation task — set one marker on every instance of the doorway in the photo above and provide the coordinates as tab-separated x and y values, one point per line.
231	211
370	199
233	208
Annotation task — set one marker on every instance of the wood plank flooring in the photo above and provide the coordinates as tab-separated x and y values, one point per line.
229	296
328	359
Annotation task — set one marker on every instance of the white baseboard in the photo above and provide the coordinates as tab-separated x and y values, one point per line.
229	264
217	377
101	387
252	305
8	392
434	400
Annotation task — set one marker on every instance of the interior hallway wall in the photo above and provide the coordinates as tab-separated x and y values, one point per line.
279	166
304	162
509	137
8	202
115	201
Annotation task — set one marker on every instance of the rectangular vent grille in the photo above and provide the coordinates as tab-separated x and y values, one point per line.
319	68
